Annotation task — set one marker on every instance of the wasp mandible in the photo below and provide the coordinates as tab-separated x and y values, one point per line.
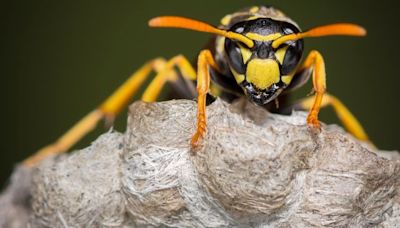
255	52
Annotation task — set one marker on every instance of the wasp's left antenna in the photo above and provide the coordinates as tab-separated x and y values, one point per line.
186	23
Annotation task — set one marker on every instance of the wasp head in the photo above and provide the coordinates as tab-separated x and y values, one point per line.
263	71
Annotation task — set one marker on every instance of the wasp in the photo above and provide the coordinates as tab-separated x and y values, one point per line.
255	53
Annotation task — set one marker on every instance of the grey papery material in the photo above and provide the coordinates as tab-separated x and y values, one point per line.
253	169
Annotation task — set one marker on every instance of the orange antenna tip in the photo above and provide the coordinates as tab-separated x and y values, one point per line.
154	22
344	29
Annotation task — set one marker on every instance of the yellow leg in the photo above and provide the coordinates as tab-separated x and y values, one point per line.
349	121
125	92
205	60
316	61
73	135
109	108
118	100
167	74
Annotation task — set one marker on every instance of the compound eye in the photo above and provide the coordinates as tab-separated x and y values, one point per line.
292	57
235	56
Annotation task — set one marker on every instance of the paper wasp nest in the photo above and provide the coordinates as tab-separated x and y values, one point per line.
253	169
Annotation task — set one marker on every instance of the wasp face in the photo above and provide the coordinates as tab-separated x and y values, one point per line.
262	71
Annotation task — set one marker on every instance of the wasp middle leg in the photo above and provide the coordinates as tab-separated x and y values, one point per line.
117	101
349	121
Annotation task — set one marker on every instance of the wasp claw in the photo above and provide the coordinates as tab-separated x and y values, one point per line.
196	140
314	124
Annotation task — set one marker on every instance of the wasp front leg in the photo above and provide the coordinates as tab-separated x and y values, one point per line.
349	121
316	61
205	60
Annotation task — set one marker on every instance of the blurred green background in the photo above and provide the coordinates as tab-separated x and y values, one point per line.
60	59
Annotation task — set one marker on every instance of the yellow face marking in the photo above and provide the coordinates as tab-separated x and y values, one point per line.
238	77
226	20
246	53
280	54
258	37
262	73
254	9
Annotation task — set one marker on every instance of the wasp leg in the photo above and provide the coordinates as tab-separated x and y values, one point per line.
108	109
118	100
63	143
121	97
205	60
348	120
168	74
316	61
